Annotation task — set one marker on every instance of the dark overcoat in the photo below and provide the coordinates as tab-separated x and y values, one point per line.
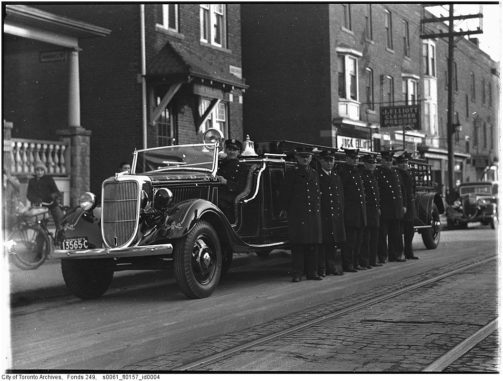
300	197
372	197
332	207
43	189
355	212
409	187
390	190
235	173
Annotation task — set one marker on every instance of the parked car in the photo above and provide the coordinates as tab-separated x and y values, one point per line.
475	202
165	213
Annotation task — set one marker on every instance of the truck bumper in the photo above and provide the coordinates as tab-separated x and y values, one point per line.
134	251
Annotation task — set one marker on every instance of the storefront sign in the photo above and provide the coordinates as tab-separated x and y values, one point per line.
408	117
355	143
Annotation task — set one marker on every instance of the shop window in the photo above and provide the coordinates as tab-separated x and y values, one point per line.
213	24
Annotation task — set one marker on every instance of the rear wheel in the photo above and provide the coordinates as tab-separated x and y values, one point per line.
431	236
88	278
198	261
29	246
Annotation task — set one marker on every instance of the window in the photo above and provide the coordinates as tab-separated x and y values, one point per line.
456	122
388	91
218	117
429	57
347	16
490	94
409	89
348	77
484	132
388	26
369	89
213	24
467	107
170	16
406	40
472	86
483	91
369	33
475	133
166	125
491	130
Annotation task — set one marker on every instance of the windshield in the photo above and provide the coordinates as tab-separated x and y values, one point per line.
199	157
475	189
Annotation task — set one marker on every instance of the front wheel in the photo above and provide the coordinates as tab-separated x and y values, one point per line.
198	261
29	246
88	278
431	236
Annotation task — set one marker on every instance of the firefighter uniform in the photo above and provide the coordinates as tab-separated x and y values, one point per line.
332	218
409	186
301	200
368	250
355	213
235	173
391	192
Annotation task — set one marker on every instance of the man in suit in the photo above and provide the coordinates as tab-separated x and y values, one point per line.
368	250
300	201
409	186
332	216
355	213
232	174
392	210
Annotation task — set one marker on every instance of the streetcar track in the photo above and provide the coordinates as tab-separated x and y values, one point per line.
332	315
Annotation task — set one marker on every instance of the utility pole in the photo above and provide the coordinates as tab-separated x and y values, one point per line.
450	68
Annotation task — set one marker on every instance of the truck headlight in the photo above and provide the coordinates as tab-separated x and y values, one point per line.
87	201
162	198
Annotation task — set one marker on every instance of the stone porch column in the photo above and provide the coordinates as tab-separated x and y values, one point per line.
77	137
77	160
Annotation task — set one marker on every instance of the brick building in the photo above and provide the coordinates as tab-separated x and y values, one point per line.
165	74
475	110
320	73
323	73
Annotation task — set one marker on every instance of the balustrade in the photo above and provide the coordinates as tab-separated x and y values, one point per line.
26	152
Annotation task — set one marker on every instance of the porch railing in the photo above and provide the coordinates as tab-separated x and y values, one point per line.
26	152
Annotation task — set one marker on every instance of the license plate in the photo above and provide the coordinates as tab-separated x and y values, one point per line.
79	243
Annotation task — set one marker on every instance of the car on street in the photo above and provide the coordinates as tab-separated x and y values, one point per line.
165	213
475	202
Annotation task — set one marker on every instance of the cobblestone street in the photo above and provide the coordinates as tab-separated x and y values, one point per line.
404	334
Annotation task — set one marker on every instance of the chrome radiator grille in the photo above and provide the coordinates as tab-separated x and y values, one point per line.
119	212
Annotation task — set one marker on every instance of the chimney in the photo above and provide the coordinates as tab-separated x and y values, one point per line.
474	41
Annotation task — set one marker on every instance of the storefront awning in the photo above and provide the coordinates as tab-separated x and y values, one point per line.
176	59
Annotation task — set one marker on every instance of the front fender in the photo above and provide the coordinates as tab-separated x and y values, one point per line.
180	219
424	202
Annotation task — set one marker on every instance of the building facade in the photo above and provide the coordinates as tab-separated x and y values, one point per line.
330	74
322	72
164	75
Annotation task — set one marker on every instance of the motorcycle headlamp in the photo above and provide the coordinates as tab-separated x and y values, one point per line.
87	201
